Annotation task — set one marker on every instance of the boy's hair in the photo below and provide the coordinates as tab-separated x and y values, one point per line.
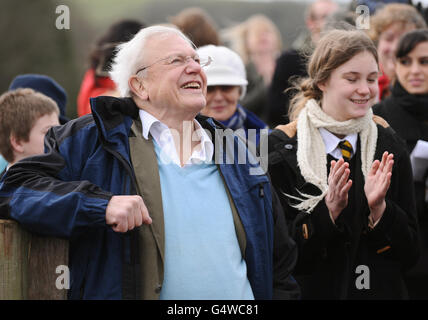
19	111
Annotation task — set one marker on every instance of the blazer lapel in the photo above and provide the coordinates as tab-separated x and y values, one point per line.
143	158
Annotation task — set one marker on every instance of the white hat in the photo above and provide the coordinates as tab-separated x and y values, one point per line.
226	67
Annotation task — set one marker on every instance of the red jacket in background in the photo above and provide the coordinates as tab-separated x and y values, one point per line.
383	82
91	87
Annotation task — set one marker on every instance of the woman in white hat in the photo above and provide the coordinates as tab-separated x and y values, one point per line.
227	84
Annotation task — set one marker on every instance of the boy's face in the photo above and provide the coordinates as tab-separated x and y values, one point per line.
35	143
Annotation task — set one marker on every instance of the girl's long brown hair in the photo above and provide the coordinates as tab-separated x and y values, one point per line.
335	48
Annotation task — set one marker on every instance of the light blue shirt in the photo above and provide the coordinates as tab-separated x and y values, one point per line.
3	164
203	259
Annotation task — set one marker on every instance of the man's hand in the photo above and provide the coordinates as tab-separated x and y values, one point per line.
338	186
125	213
377	184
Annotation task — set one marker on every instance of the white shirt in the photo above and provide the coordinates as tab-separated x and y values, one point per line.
331	143
164	139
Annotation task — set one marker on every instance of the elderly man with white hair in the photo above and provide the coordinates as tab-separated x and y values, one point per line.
139	188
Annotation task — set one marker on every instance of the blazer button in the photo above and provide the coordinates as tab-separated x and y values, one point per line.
288	146
158	288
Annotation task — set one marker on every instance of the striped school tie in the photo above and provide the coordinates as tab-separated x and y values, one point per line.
346	148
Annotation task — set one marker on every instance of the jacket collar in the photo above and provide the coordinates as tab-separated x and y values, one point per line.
111	112
113	117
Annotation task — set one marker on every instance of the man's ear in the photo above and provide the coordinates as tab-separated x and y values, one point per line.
16	144
137	87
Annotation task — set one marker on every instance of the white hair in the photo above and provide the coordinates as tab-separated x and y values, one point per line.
129	55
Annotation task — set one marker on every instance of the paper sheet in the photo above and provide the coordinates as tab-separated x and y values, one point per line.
419	160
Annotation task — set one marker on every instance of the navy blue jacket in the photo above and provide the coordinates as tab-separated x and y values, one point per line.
65	192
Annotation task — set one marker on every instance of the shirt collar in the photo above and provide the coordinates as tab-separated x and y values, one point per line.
147	121
331	141
151	125
206	150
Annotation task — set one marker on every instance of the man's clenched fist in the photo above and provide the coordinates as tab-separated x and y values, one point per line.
125	213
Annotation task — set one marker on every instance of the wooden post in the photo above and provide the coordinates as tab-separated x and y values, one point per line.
13	246
28	264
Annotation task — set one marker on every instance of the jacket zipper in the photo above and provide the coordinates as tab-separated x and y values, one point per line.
261	191
134	249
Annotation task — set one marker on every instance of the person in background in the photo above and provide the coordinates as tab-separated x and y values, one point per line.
258	42
25	117
386	27
144	195
96	80
226	87
315	16
344	178
43	84
46	85
423	10
198	25
406	110
292	63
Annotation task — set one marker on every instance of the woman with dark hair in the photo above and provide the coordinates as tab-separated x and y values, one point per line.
406	110
344	178
96	80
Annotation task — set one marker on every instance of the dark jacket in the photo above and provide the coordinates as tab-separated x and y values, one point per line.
329	253
65	192
289	66
410	127
408	116
255	99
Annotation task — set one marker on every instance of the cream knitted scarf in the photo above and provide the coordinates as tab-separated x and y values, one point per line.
311	155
